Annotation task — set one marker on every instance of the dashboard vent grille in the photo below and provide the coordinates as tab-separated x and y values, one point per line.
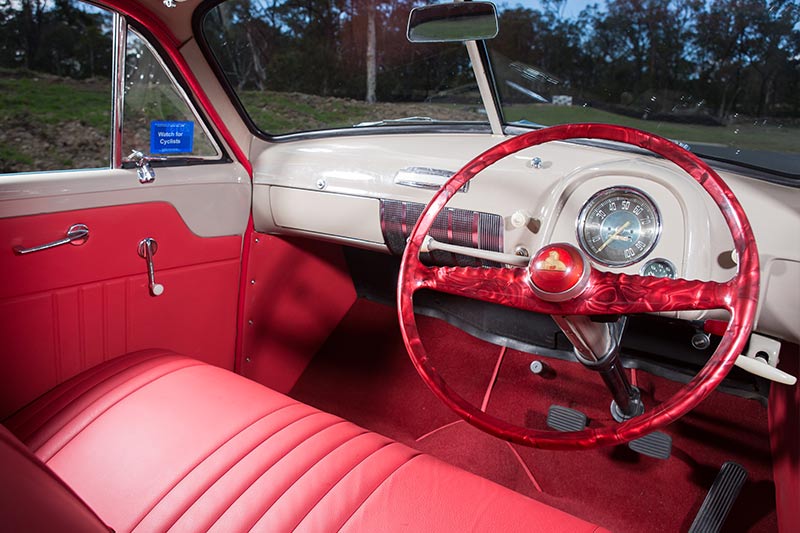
454	226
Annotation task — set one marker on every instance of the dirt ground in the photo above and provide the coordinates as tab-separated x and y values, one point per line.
26	145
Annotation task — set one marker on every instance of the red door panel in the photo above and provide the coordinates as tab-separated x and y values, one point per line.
111	250
68	308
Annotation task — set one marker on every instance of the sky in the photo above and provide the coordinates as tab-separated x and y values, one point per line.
571	9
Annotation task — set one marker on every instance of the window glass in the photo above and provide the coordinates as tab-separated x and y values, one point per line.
157	119
721	76
315	64
55	85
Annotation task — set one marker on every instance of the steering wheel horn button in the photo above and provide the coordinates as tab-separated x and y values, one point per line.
558	272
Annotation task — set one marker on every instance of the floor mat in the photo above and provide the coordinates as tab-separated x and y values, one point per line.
363	374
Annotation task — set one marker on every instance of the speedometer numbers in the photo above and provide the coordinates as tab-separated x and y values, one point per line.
619	226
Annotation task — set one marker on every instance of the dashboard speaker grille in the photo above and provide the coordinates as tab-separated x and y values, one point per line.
454	226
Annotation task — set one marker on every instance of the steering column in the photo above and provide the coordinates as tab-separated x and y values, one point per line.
559	272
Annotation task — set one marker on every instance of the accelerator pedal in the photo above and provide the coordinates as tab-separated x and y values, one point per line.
565	419
656	444
720	499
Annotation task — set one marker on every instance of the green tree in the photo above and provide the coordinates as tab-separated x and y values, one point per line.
642	46
67	38
748	54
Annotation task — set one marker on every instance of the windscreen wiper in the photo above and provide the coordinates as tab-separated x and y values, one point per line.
404	120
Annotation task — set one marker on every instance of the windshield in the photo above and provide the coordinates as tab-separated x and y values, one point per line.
722	76
302	66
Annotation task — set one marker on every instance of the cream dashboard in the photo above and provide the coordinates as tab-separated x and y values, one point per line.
629	212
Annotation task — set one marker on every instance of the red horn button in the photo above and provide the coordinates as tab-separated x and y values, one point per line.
558	272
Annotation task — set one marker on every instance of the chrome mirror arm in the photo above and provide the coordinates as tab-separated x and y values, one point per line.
144	170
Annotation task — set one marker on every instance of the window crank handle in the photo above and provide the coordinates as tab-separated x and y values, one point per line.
147	249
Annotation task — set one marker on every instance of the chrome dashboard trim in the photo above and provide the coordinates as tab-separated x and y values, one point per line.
425	178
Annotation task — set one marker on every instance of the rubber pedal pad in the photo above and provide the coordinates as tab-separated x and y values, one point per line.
565	419
720	498
656	444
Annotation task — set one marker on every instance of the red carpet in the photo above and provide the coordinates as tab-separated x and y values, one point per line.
363	374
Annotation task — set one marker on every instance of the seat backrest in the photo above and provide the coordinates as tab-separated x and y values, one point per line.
33	498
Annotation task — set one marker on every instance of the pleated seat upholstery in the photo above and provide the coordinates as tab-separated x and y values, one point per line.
155	441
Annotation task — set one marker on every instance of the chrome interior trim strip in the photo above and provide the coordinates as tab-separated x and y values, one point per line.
425	178
118	88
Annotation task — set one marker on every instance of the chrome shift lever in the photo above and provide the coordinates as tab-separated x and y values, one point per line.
147	249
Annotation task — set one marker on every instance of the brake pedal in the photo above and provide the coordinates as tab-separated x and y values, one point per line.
656	444
565	419
720	499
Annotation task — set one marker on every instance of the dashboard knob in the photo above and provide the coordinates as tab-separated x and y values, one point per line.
520	219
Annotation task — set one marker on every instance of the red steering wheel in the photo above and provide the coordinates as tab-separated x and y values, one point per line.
605	293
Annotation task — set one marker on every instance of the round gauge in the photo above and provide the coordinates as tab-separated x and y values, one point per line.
659	268
619	226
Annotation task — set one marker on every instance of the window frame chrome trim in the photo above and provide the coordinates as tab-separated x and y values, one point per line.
119	45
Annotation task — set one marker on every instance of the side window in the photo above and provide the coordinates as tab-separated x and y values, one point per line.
156	118
55	86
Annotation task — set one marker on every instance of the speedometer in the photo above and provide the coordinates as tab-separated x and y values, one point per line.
619	226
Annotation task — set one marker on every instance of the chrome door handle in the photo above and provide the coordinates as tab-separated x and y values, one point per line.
77	234
147	249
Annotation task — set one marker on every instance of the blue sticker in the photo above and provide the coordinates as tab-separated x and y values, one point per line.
171	137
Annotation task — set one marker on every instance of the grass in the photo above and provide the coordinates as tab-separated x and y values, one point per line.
48	122
51	100
758	136
51	123
14	157
277	112
287	112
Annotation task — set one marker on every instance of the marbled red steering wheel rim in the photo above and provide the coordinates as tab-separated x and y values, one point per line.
739	295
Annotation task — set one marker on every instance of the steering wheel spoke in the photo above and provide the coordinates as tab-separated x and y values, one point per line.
607	293
506	286
610	293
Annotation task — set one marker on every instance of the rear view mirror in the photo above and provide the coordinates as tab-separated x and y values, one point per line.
458	21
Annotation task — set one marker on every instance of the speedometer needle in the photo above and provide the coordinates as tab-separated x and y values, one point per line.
614	236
